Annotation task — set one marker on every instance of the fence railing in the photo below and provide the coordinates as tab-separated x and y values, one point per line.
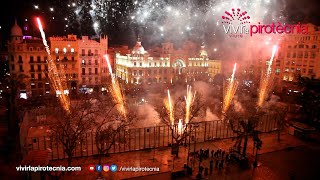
145	138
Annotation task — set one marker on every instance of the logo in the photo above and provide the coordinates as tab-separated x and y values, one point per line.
91	167
98	168
106	168
113	168
237	24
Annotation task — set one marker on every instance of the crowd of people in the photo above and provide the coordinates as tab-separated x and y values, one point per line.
217	160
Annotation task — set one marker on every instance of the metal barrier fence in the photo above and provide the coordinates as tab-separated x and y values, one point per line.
146	138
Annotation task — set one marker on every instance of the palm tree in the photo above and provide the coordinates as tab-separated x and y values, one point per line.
12	85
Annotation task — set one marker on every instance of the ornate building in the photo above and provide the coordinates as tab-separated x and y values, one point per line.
27	56
162	64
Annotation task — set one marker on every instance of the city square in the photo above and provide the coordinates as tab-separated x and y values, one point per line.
150	89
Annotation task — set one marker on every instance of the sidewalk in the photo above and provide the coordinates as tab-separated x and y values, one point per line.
163	159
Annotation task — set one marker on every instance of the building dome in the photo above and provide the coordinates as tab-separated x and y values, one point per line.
203	52
16	30
138	48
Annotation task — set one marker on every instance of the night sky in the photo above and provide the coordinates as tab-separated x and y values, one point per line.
153	20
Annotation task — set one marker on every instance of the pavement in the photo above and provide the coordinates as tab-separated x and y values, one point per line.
167	163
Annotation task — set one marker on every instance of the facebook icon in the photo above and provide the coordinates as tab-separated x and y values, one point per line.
98	168
113	168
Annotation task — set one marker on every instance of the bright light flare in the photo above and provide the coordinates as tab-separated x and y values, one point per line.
116	91
169	107
266	82
57	78
189	98
230	90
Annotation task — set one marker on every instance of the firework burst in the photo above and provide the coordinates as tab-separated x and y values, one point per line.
189	98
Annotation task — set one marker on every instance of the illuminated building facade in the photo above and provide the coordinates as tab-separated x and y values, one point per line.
163	64
26	55
214	68
93	65
299	55
64	51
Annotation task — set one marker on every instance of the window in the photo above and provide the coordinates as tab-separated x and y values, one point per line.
89	61
135	72
314	46
31	68
306	54
30	49
40	85
89	52
140	64
31	58
64	50
20	68
301	46
32	76
96	70
140	72
20	59
56	50
38	58
83	52
39	67
83	71
134	63
39	76
96	62
96	52
46	67
89	71
72	50
288	55
300	54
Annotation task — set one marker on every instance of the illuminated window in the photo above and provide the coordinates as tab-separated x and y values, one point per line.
72	50
56	50
64	50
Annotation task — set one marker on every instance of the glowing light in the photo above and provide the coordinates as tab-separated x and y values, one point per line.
266	81
95	25
51	9
36	6
169	107
230	90
57	79
189	98
180	127
116	92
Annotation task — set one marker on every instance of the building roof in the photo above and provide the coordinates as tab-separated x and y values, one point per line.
16	30
138	48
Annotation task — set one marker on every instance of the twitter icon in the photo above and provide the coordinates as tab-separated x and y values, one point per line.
113	168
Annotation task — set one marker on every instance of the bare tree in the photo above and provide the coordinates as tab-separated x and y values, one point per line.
279	112
111	129
11	86
69	128
179	106
244	124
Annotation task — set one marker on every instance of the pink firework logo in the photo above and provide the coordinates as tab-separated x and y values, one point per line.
242	17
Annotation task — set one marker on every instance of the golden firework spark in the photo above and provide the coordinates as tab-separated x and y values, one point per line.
57	79
180	127
189	98
230	90
116	91
266	81
169	107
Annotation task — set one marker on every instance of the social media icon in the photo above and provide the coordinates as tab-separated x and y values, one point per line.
113	168
91	167
106	168
98	168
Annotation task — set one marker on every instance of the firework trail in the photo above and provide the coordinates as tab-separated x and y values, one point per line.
57	81
266	80
116	92
230	90
169	107
189	98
